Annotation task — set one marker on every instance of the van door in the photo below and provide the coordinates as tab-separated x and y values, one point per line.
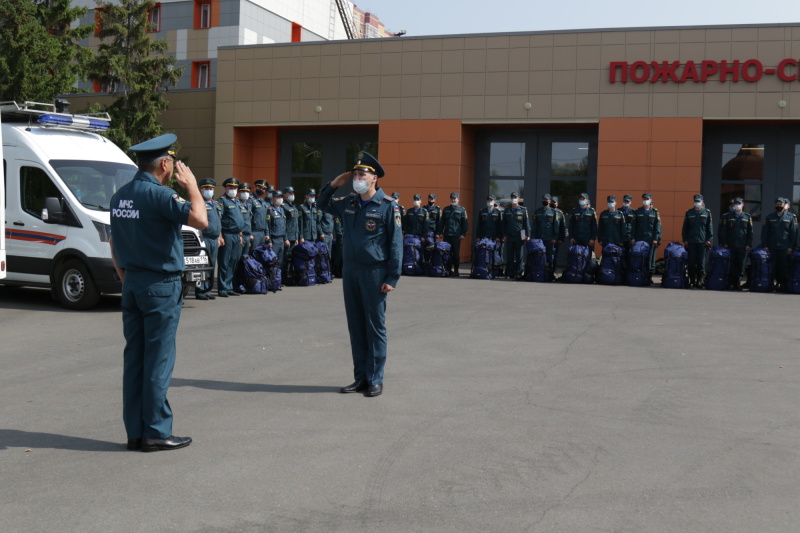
31	243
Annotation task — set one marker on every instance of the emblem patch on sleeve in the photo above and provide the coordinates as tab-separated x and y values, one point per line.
397	220
178	198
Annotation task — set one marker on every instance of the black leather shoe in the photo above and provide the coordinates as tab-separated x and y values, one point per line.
222	294
134	444
374	390
201	296
211	296
357	386
171	443
234	293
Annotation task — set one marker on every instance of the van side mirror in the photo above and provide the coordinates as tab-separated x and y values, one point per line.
52	212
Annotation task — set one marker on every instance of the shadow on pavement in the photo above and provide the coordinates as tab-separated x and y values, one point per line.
249	387
14	438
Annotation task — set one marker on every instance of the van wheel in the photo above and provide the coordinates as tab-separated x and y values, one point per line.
75	288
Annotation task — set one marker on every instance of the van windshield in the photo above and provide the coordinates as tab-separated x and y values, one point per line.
93	182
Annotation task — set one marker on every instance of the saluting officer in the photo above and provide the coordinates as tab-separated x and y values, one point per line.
147	252
583	223
736	234
646	226
260	209
490	221
547	227
211	236
292	225
230	249
396	196
247	215
517	230
779	237
611	229
373	253
697	235
277	227
452	229
307	217
415	221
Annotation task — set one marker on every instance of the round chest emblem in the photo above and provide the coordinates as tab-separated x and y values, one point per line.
371	225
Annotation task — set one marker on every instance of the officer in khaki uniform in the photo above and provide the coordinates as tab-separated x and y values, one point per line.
697	235
736	234
452	229
373	255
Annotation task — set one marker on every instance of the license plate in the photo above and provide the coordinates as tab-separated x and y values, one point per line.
195	260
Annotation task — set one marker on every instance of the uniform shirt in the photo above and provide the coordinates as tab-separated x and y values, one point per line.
307	221
563	232
277	222
374	233
612	229
515	220
546	224
415	221
324	222
629	213
490	224
258	208
146	220
434	214
697	226
583	223
338	231
646	225
214	227
292	224
231	214
736	231
454	222
402	209
779	232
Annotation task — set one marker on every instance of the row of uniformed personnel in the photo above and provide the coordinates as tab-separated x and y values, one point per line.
239	222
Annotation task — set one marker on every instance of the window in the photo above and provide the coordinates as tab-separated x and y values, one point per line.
202	14
154	18
36	185
201	74
502	190
569	159
507	159
742	176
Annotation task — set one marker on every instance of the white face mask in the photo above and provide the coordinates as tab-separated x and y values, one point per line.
646	203
698	205
454	204
243	196
490	205
278	202
626	204
208	194
582	203
612	205
290	198
737	207
231	193
360	186
515	201
417	203
312	201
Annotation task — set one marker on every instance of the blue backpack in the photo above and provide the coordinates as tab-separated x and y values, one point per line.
759	274
412	255
578	260
536	261
717	271
499	262
638	273
322	264
252	278
269	260
675	259
303	264
794	273
482	259
611	265
439	260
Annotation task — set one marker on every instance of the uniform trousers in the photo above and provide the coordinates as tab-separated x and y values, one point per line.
738	256
287	256
651	263
277	247
455	253
328	240
229	255
212	249
365	307
258	240
151	309
514	252
780	265
551	250
697	260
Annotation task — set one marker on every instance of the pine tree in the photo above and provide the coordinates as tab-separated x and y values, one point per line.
40	57
133	67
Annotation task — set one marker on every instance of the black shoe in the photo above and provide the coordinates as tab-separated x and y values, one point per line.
234	293
222	294
201	296
360	385
374	390
134	444
171	443
211	296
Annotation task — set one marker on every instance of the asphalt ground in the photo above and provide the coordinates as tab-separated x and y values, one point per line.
508	406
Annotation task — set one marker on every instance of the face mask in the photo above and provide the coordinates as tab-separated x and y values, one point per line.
515	201
417	203
360	186
244	196
489	205
737	207
612	205
626	204
698	205
259	192
312	201
290	198
779	209
646	203
231	193
208	194
582	203
545	203
278	202
453	204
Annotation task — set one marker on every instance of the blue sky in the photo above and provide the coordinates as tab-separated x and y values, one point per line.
430	17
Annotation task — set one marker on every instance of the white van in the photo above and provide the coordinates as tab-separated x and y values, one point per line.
60	176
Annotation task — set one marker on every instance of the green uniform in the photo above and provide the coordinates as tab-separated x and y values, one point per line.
230	252
779	234
260	225
697	229
515	221
583	225
292	231
490	224
646	226
547	226
434	215
307	222
211	238
736	234
415	222
612	229
453	227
